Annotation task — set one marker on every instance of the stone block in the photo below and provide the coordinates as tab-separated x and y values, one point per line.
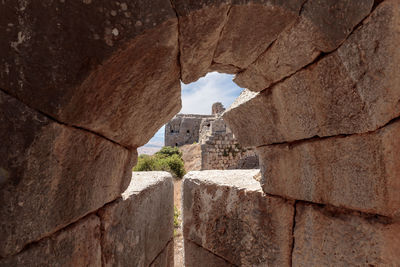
322	27
75	245
328	237
245	35
226	213
65	58
51	175
356	89
358	172
196	256
225	35
137	227
199	32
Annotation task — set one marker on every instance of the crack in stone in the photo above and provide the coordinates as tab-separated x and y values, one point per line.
102	230
187	240
317	138
277	37
179	39
31	244
339	210
302	7
220	33
293	229
376	4
66	124
321	56
161	252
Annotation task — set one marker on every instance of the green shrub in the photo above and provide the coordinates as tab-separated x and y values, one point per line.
145	163
168	151
175	163
177	222
167	159
176	217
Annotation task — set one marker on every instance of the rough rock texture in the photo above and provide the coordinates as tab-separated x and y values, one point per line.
359	172
322	27
251	28
326	237
166	257
191	156
139	226
76	245
94	64
228	35
51	175
217	108
183	129
353	90
226	213
197	256
199	32
220	150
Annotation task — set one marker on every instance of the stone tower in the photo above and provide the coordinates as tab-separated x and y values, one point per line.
217	108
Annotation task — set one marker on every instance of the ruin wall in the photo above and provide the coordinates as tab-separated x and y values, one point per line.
183	129
220	150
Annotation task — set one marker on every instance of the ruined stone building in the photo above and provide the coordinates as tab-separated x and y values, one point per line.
219	147
84	83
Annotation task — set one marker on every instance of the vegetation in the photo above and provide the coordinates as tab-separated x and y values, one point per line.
177	222
167	159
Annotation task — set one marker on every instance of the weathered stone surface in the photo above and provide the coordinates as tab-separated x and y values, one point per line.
251	28
353	90
226	213
359	172
76	245
228	35
93	64
221	68
322	27
166	257
138	227
325	237
199	32
184	129
51	175
196	256
217	108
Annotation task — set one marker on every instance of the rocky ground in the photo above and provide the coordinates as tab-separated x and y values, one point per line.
178	238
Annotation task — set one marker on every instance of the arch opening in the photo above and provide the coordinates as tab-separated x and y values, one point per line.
323	89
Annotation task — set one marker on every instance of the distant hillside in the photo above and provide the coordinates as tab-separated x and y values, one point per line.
148	150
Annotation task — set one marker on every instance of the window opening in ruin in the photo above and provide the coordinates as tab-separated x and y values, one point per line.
197	98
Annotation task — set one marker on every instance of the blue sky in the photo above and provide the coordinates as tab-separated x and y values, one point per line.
198	97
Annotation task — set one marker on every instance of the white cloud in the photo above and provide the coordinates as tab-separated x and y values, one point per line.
198	97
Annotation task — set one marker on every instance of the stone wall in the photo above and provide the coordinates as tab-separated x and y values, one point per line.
226	215
183	129
220	150
84	83
229	221
136	228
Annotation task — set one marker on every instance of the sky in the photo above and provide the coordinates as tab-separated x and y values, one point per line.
198	97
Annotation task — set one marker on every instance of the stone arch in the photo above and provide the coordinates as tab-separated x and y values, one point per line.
81	82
